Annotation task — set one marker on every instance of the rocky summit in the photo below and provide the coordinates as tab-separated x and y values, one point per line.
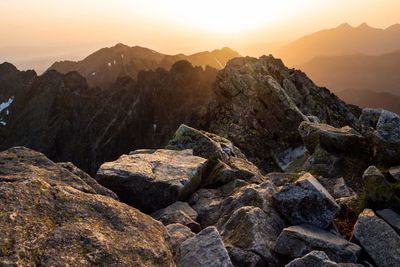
252	165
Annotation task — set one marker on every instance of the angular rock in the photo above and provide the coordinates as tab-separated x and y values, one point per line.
50	217
315	259
378	239
378	193
249	236
179	212
204	249
336	187
391	218
153	179
395	173
203	144
297	241
177	234
207	204
306	201
331	139
88	179
324	163
252	195
281	178
382	127
233	169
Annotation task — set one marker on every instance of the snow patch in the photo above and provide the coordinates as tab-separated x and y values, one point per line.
122	55
115	62
6	104
289	155
109	64
7	112
94	73
219	63
3	123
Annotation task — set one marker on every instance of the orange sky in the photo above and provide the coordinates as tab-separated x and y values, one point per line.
173	26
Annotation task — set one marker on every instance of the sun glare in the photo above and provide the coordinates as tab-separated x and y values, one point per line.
227	16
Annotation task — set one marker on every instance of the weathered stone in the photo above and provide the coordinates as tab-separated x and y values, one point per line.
315	259
203	144
297	241
324	163
378	239
391	218
153	179
378	193
207	204
382	127
204	249
306	201
249	235
177	234
50	217
88	179
178	212
395	173
252	195
281	178
331	139
336	187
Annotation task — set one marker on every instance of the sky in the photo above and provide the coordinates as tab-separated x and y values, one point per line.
175	26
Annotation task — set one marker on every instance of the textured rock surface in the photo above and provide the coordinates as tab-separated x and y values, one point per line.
306	201
391	218
88	179
179	212
395	173
297	241
50	217
177	234
153	179
332	139
204	249
315	259
281	178
336	187
378	239
383	129
249	235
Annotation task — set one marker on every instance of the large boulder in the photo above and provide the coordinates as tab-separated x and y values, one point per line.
51	217
153	179
332	139
383	129
297	241
249	235
378	192
378	239
203	144
306	201
179	212
204	249
391	218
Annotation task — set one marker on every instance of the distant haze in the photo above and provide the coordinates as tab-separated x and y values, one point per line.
42	31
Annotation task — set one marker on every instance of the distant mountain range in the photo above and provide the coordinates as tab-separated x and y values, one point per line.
340	41
104	66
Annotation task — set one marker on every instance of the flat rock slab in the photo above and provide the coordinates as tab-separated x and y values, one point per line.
153	179
204	249
297	241
306	201
378	239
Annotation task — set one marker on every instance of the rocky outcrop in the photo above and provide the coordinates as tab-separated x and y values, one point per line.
306	202
297	241
177	234
261	103
153	179
379	240
204	249
51	217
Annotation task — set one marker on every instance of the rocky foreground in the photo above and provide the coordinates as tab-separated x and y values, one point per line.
200	202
